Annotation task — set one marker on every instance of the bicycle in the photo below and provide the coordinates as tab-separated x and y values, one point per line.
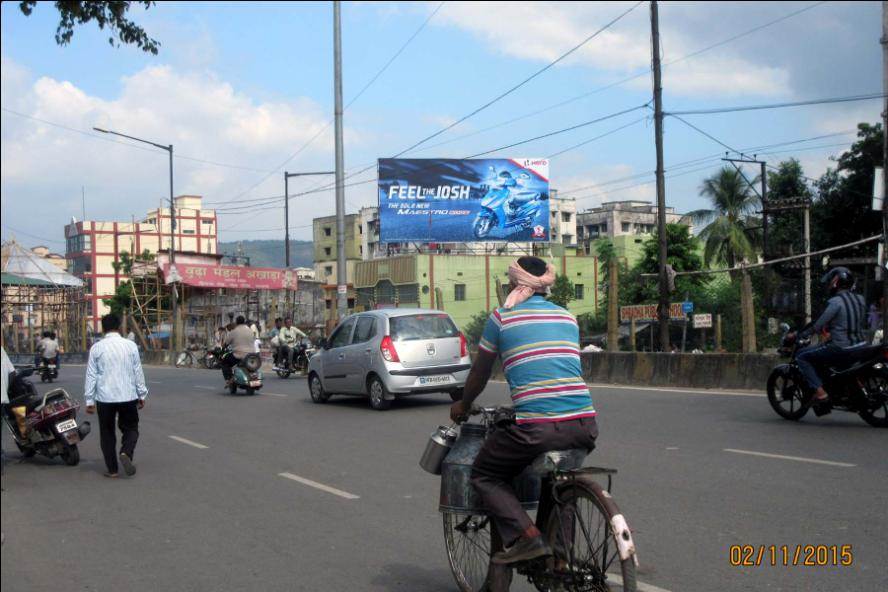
202	357
578	517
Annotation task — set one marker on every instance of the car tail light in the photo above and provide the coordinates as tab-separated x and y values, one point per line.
463	346
387	347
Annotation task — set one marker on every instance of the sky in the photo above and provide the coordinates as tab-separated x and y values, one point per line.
244	91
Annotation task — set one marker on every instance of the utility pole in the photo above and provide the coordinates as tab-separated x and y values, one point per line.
807	234
663	303
341	270
287	209
884	262
764	198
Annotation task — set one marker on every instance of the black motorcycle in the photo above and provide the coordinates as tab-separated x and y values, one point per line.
860	386
49	369
301	353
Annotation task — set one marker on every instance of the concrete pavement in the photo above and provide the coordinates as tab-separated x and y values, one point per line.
276	493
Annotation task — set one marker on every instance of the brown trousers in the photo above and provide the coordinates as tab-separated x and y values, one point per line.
508	451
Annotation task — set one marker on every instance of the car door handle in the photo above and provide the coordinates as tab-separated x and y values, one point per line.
368	350
341	356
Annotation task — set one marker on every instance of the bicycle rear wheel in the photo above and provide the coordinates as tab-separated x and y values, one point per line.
581	533
469	539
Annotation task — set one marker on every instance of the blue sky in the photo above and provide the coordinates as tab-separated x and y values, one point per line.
247	85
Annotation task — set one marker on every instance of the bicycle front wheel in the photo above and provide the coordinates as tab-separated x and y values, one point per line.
581	533
185	359
469	539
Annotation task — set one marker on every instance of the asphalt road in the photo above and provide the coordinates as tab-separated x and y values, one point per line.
210	511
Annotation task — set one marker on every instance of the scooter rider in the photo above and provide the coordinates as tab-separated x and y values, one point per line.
844	318
47	349
240	341
289	337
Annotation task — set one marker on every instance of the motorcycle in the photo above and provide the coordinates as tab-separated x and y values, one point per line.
44	424
497	212
246	375
49	370
861	386
301	354
211	359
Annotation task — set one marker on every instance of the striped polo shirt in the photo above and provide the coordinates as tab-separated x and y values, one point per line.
538	343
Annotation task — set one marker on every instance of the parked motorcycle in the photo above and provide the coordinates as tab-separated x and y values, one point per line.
858	387
246	375
497	211
49	370
44	424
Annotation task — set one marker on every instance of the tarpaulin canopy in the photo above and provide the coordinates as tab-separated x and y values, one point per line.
9	279
20	262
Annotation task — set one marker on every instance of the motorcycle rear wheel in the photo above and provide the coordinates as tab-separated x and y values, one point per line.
787	397
876	385
71	455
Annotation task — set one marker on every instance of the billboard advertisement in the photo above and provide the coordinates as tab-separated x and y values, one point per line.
451	200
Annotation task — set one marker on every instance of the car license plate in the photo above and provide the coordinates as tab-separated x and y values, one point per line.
433	380
51	366
64	426
255	383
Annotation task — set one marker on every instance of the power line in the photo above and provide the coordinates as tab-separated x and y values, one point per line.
848	99
523	82
40	238
598	137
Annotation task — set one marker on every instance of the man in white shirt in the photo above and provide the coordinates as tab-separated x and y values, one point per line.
115	388
6	372
289	336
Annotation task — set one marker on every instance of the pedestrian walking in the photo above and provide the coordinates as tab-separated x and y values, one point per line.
115	389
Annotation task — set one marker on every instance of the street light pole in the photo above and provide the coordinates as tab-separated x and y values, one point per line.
341	270
287	209
663	300
174	296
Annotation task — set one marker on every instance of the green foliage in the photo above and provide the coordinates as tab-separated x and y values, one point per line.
122	299
785	228
562	291
682	253
105	14
475	327
730	235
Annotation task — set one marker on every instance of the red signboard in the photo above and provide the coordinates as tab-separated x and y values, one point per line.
236	278
648	312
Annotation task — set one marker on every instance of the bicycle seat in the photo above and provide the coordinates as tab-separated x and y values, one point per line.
561	460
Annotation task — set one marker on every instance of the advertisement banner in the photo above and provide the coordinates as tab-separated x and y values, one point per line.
648	312
451	200
233	277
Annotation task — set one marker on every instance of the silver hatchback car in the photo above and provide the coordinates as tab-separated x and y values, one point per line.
389	353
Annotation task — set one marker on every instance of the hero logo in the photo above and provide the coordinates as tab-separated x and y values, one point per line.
538	232
538	162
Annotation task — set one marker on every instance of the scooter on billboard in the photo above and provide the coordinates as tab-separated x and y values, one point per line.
507	205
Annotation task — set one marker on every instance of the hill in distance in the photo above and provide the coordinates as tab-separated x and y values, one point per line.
270	253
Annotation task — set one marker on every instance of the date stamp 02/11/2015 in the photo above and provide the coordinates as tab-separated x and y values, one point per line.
791	555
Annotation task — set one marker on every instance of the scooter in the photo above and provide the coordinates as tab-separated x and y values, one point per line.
49	370
497	213
44	424
860	386
246	375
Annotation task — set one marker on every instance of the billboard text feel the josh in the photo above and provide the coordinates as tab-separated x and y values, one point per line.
418	192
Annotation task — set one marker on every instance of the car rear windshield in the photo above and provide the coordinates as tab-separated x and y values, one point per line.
422	326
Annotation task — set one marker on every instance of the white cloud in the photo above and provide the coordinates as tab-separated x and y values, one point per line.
541	31
203	116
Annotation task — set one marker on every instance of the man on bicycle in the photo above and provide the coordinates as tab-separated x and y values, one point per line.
538	343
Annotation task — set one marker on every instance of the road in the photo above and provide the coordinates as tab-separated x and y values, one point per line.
209	509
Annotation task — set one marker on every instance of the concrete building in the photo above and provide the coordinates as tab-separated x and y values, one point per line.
57	260
93	247
627	224
562	219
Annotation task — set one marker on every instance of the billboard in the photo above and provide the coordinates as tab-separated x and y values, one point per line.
452	200
236	278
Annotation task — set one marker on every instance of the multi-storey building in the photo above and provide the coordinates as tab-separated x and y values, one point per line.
93	247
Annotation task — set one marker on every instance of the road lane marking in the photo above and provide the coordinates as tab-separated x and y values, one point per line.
672	448
273	394
784	457
189	442
320	486
640	586
673	390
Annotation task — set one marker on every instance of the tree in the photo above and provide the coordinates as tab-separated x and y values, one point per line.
562	291
785	228
122	300
105	14
682	253
475	327
730	234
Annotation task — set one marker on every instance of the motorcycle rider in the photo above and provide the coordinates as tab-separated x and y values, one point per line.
844	318
241	343
47	350
538	343
289	338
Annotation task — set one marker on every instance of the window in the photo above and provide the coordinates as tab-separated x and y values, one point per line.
565	216
206	220
365	329
361	229
422	326
80	243
626	226
342	334
327	231
603	227
459	292
187	231
327	251
579	292
328	269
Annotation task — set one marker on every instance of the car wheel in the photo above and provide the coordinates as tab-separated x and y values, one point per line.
378	393
318	394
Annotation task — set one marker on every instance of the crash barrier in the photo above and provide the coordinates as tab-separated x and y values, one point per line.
725	371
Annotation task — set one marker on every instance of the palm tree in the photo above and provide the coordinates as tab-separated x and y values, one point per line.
730	234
